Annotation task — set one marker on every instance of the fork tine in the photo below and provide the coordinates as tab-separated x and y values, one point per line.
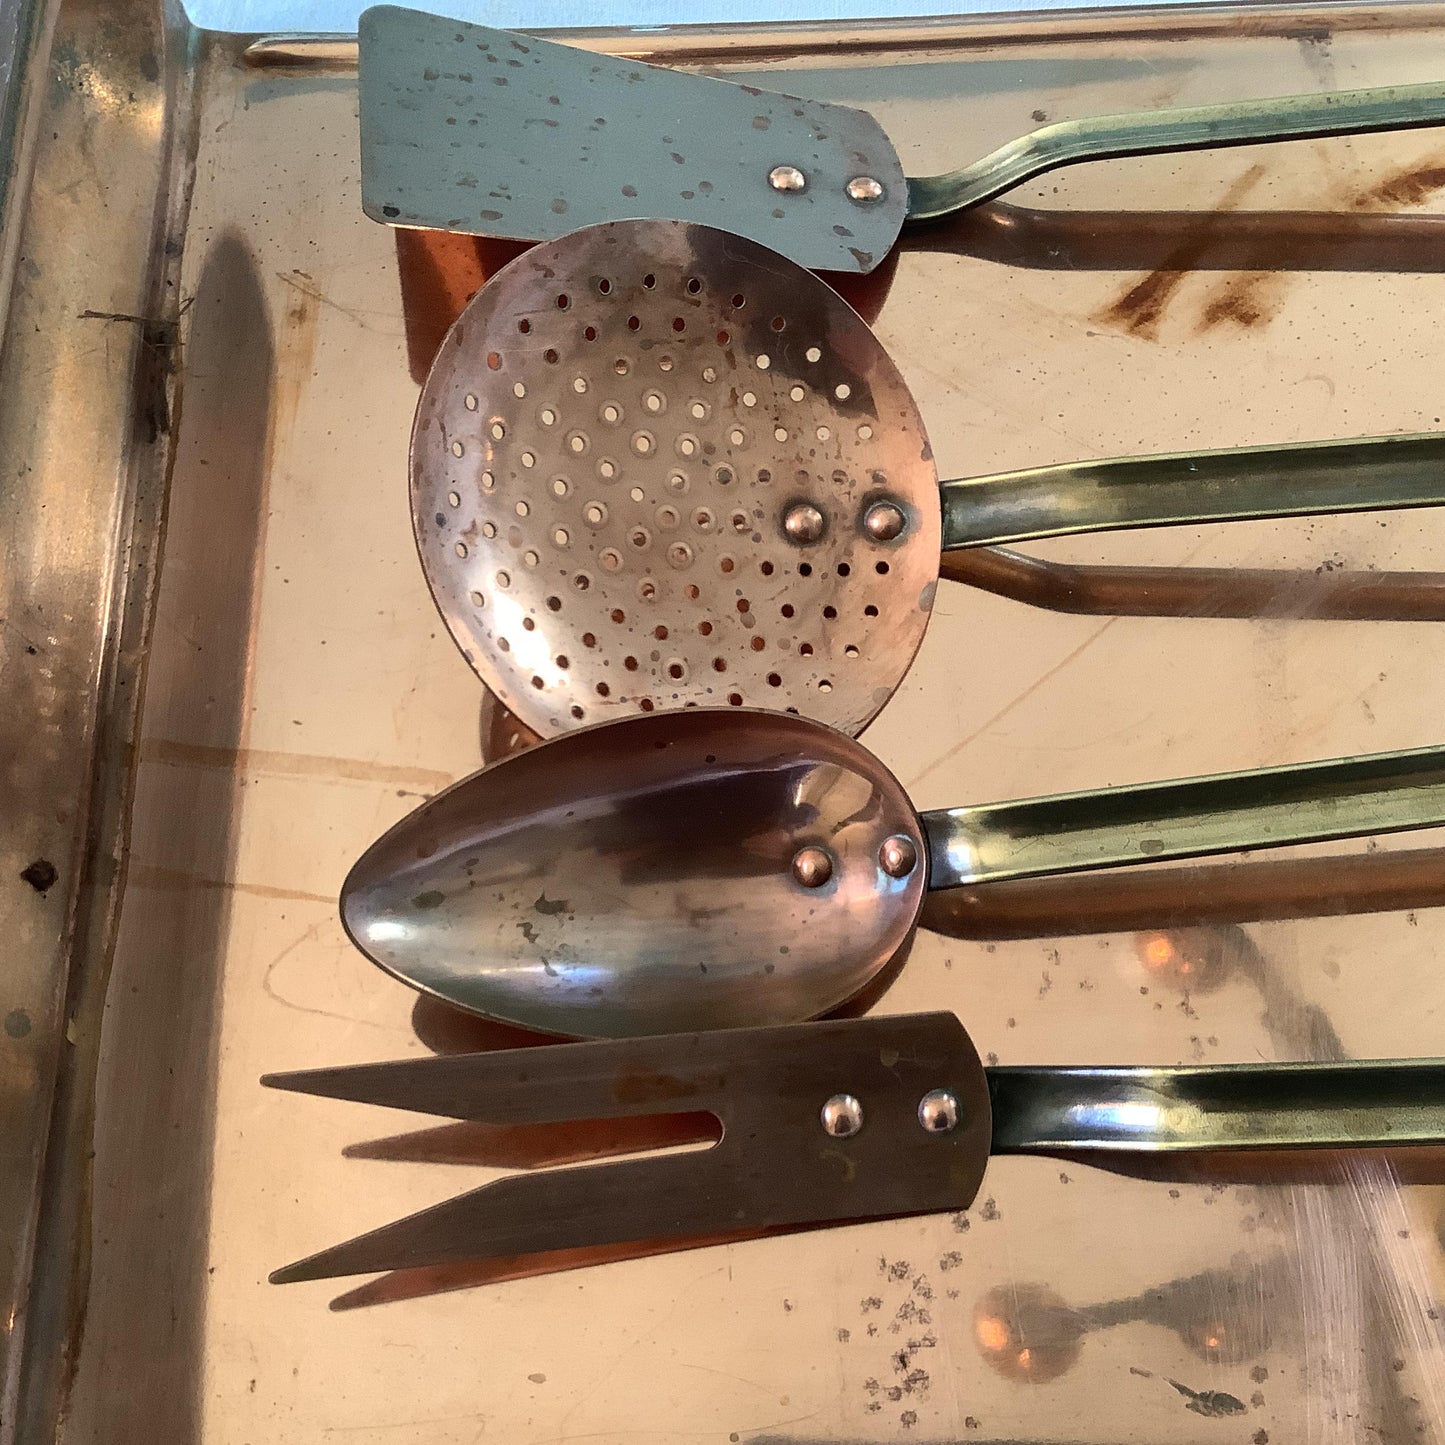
548	1083
520	1214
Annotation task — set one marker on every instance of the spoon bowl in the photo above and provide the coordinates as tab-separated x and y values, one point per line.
638	879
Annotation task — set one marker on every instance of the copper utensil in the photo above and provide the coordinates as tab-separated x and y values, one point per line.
827	1124
718	868
465	128
656	464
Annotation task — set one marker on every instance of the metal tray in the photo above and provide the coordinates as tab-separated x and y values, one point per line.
223	678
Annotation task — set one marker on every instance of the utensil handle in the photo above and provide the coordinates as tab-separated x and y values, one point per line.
1188	818
1246	122
1229	1106
1360	475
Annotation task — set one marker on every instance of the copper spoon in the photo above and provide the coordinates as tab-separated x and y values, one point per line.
718	868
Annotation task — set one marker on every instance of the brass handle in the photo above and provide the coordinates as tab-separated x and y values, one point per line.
1122	493
1190	818
1224	1106
1250	122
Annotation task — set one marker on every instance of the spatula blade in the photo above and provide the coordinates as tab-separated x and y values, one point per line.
465	128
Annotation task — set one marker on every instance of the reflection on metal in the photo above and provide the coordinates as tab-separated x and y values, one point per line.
1200	591
1030	1333
802	41
1245	890
1144	241
86	392
774	1166
1202	960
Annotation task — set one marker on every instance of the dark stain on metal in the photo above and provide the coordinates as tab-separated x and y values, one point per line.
40	875
1247	301
1214	1404
432	898
1409	187
550	907
1140	308
17	1023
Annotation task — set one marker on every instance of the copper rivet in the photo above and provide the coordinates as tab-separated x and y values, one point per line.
842	1116
898	857
812	867
803	522
787	178
865	190
938	1111
883	521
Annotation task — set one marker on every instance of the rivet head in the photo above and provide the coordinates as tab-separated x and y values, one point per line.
938	1111
865	190
812	867
842	1116
787	178
884	521
804	522
898	856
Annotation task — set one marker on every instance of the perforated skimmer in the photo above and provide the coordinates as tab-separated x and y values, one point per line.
657	465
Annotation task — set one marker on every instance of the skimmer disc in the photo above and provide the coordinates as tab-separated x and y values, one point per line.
656	465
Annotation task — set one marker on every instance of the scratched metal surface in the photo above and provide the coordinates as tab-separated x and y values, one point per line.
302	695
